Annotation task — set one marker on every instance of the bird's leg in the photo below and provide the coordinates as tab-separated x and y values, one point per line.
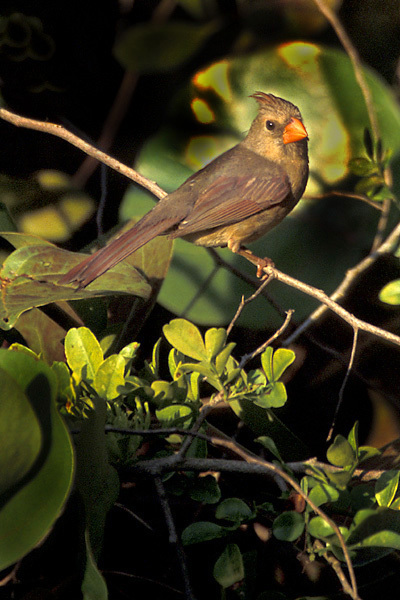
260	263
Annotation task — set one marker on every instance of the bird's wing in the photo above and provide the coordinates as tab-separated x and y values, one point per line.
230	199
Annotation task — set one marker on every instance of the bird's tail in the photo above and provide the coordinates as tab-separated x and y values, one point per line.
117	250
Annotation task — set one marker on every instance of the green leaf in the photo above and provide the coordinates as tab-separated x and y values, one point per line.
323	493
282	359
319	528
186	338
202	531
340	453
20	434
31	273
380	528
267	363
353	438
176	415
93	585
129	352
206	490
96	480
233	509
274	396
288	526
214	341
83	352
28	515
66	390
109	380
6	221
229	568
390	293
222	359
341	479
386	487
155	47
362	166
366	452
206	370
270	445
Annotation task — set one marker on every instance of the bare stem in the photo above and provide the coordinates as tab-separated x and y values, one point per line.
336	25
346	377
71	138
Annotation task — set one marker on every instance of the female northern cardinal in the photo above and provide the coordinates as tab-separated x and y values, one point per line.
234	200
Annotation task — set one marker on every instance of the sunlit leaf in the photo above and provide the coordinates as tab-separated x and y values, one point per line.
386	487
186	338
31	273
109	378
83	352
391	292
340	453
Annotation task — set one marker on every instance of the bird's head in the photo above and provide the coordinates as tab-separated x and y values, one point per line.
278	129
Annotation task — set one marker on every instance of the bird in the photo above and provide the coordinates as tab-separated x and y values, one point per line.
234	200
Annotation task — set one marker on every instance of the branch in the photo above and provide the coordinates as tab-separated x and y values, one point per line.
336	25
251	464
322	297
388	245
89	149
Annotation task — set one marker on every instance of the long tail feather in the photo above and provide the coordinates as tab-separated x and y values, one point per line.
117	250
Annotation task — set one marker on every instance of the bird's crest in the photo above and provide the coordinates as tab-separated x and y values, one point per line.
269	101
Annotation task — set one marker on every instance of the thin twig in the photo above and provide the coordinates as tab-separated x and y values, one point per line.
174	538
161	584
345	379
244	301
382	223
204	412
335	564
253	282
353	195
71	138
247	357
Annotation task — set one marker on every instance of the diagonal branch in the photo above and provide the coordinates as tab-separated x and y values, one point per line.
388	245
322	297
89	149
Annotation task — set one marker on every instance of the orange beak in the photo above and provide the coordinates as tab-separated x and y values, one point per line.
294	131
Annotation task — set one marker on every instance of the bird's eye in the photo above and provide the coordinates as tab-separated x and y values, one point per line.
270	125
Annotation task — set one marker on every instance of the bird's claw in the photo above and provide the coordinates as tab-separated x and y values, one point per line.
261	265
